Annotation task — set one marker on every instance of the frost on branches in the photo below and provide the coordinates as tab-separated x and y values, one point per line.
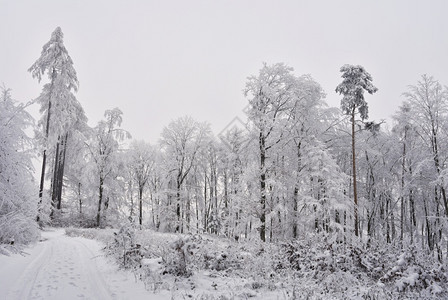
17	204
62	115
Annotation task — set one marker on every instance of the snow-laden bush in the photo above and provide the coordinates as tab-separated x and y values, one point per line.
414	271
124	247
337	270
313	267
17	228
194	252
66	218
18	206
105	236
151	272
176	256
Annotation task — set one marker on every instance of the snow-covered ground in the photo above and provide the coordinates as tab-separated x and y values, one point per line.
84	264
62	267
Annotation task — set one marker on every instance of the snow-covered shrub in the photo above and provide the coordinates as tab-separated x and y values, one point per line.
17	228
125	249
191	253
213	253
414	271
175	257
327	269
338	270
67	218
18	204
151	272
103	235
313	267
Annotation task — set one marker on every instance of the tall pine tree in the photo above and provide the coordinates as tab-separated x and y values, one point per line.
61	112
355	81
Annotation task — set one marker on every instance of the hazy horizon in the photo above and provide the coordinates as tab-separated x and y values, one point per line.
158	61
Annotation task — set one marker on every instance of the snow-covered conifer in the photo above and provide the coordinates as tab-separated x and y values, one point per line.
355	81
61	112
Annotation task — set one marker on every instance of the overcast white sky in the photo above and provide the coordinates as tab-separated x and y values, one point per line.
159	60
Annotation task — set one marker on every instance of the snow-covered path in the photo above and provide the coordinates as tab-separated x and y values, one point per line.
62	267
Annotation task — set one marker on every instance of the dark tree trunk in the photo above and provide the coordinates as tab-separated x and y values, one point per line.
61	172
428	226
100	201
295	209
355	192
44	158
296	192
403	172
131	198
435	149
55	179
205	204
178	227
79	198
262	145
41	186
140	204
388	239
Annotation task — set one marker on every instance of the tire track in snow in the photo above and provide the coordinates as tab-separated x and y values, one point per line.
24	285
95	278
65	268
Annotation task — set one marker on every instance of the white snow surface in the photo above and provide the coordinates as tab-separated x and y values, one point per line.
62	267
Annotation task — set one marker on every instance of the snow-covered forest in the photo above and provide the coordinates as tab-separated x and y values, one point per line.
302	201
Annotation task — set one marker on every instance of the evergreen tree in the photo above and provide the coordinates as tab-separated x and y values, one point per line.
355	81
61	112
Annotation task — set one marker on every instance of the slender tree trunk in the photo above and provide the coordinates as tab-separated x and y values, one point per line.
216	202
392	219
226	214
212	202
355	192
140	204
131	198
178	209
41	186
438	231
295	209
61	172
445	201
226	192
262	145
402	210
428	226
296	192
197	211
412	219
205	204
435	149
153	218
79	198
388	239
55	178
44	158
345	226
188	212
100	200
